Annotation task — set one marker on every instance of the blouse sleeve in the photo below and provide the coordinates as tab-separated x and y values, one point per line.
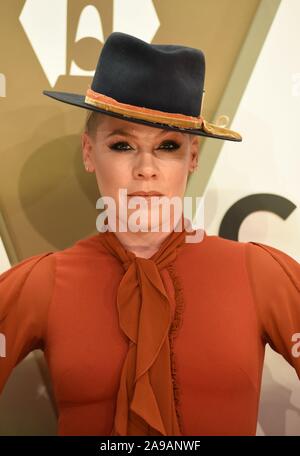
275	282
25	294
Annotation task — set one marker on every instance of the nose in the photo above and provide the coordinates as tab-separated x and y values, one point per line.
145	166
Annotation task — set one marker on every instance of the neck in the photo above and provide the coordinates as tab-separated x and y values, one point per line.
143	244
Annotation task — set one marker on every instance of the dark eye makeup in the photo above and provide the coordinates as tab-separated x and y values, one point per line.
166	145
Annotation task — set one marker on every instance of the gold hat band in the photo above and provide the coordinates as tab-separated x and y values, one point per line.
110	104
173	119
220	131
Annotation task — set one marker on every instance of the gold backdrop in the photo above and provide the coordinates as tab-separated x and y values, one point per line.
47	200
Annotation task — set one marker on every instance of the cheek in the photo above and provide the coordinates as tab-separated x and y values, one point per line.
176	177
111	174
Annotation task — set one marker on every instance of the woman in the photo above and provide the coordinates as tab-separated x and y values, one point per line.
143	332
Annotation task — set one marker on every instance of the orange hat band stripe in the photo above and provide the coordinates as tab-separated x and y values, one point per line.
110	104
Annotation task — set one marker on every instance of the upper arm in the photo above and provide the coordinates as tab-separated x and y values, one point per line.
275	281
25	295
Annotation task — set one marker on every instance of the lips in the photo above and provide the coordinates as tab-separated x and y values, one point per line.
152	193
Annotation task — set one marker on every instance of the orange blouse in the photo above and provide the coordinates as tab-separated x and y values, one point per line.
236	296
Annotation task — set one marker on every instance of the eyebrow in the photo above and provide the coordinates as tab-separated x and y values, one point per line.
121	131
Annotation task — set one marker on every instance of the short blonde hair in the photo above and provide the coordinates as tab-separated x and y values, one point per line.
92	121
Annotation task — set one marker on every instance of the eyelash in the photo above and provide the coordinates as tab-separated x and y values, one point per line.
174	143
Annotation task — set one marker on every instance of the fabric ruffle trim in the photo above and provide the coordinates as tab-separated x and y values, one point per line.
177	321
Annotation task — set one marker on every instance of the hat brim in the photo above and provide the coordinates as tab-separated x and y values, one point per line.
79	100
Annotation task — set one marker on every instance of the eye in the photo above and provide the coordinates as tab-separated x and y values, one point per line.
167	145
120	145
170	145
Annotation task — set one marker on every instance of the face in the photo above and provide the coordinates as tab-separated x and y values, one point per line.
137	157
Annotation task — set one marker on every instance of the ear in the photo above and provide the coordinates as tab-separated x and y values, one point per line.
87	147
194	145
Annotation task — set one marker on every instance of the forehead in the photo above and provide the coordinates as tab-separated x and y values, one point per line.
110	126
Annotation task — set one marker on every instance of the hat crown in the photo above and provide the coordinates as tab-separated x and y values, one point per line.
167	78
159	85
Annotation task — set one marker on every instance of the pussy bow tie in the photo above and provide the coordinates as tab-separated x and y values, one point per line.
145	401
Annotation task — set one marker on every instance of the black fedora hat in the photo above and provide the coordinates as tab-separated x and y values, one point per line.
161	85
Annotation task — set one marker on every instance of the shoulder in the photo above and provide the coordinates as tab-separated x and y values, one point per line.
213	248
29	282
34	268
86	260
38	272
89	247
270	264
262	262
